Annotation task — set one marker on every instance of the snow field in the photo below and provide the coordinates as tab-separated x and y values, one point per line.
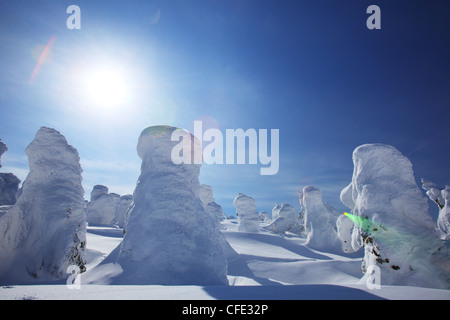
266	266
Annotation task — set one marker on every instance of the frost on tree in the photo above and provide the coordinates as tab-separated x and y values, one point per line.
122	209
344	232
101	210
170	239
3	149
319	221
441	197
45	231
276	211
246	212
285	218
392	221
9	183
264	217
107	208
209	204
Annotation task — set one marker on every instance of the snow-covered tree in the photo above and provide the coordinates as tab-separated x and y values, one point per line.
320	221
286	218
122	210
170	239
264	217
392	221
45	231
105	208
102	207
9	183
246	212
209	204
3	149
276	211
441	197
344	232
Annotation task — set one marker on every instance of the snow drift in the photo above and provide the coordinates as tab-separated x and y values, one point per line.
45	231
392	222
170	239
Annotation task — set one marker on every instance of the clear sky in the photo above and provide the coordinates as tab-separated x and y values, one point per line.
311	69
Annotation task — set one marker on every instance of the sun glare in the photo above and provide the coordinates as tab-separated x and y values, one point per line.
106	88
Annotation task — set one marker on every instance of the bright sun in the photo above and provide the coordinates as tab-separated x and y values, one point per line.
106	88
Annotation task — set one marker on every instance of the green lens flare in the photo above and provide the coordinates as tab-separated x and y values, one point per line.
364	223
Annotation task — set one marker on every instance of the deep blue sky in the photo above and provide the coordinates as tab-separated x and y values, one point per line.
308	68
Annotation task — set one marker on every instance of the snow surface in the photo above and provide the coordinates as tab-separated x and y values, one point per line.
267	266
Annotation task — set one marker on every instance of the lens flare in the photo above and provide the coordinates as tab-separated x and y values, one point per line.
364	223
42	57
